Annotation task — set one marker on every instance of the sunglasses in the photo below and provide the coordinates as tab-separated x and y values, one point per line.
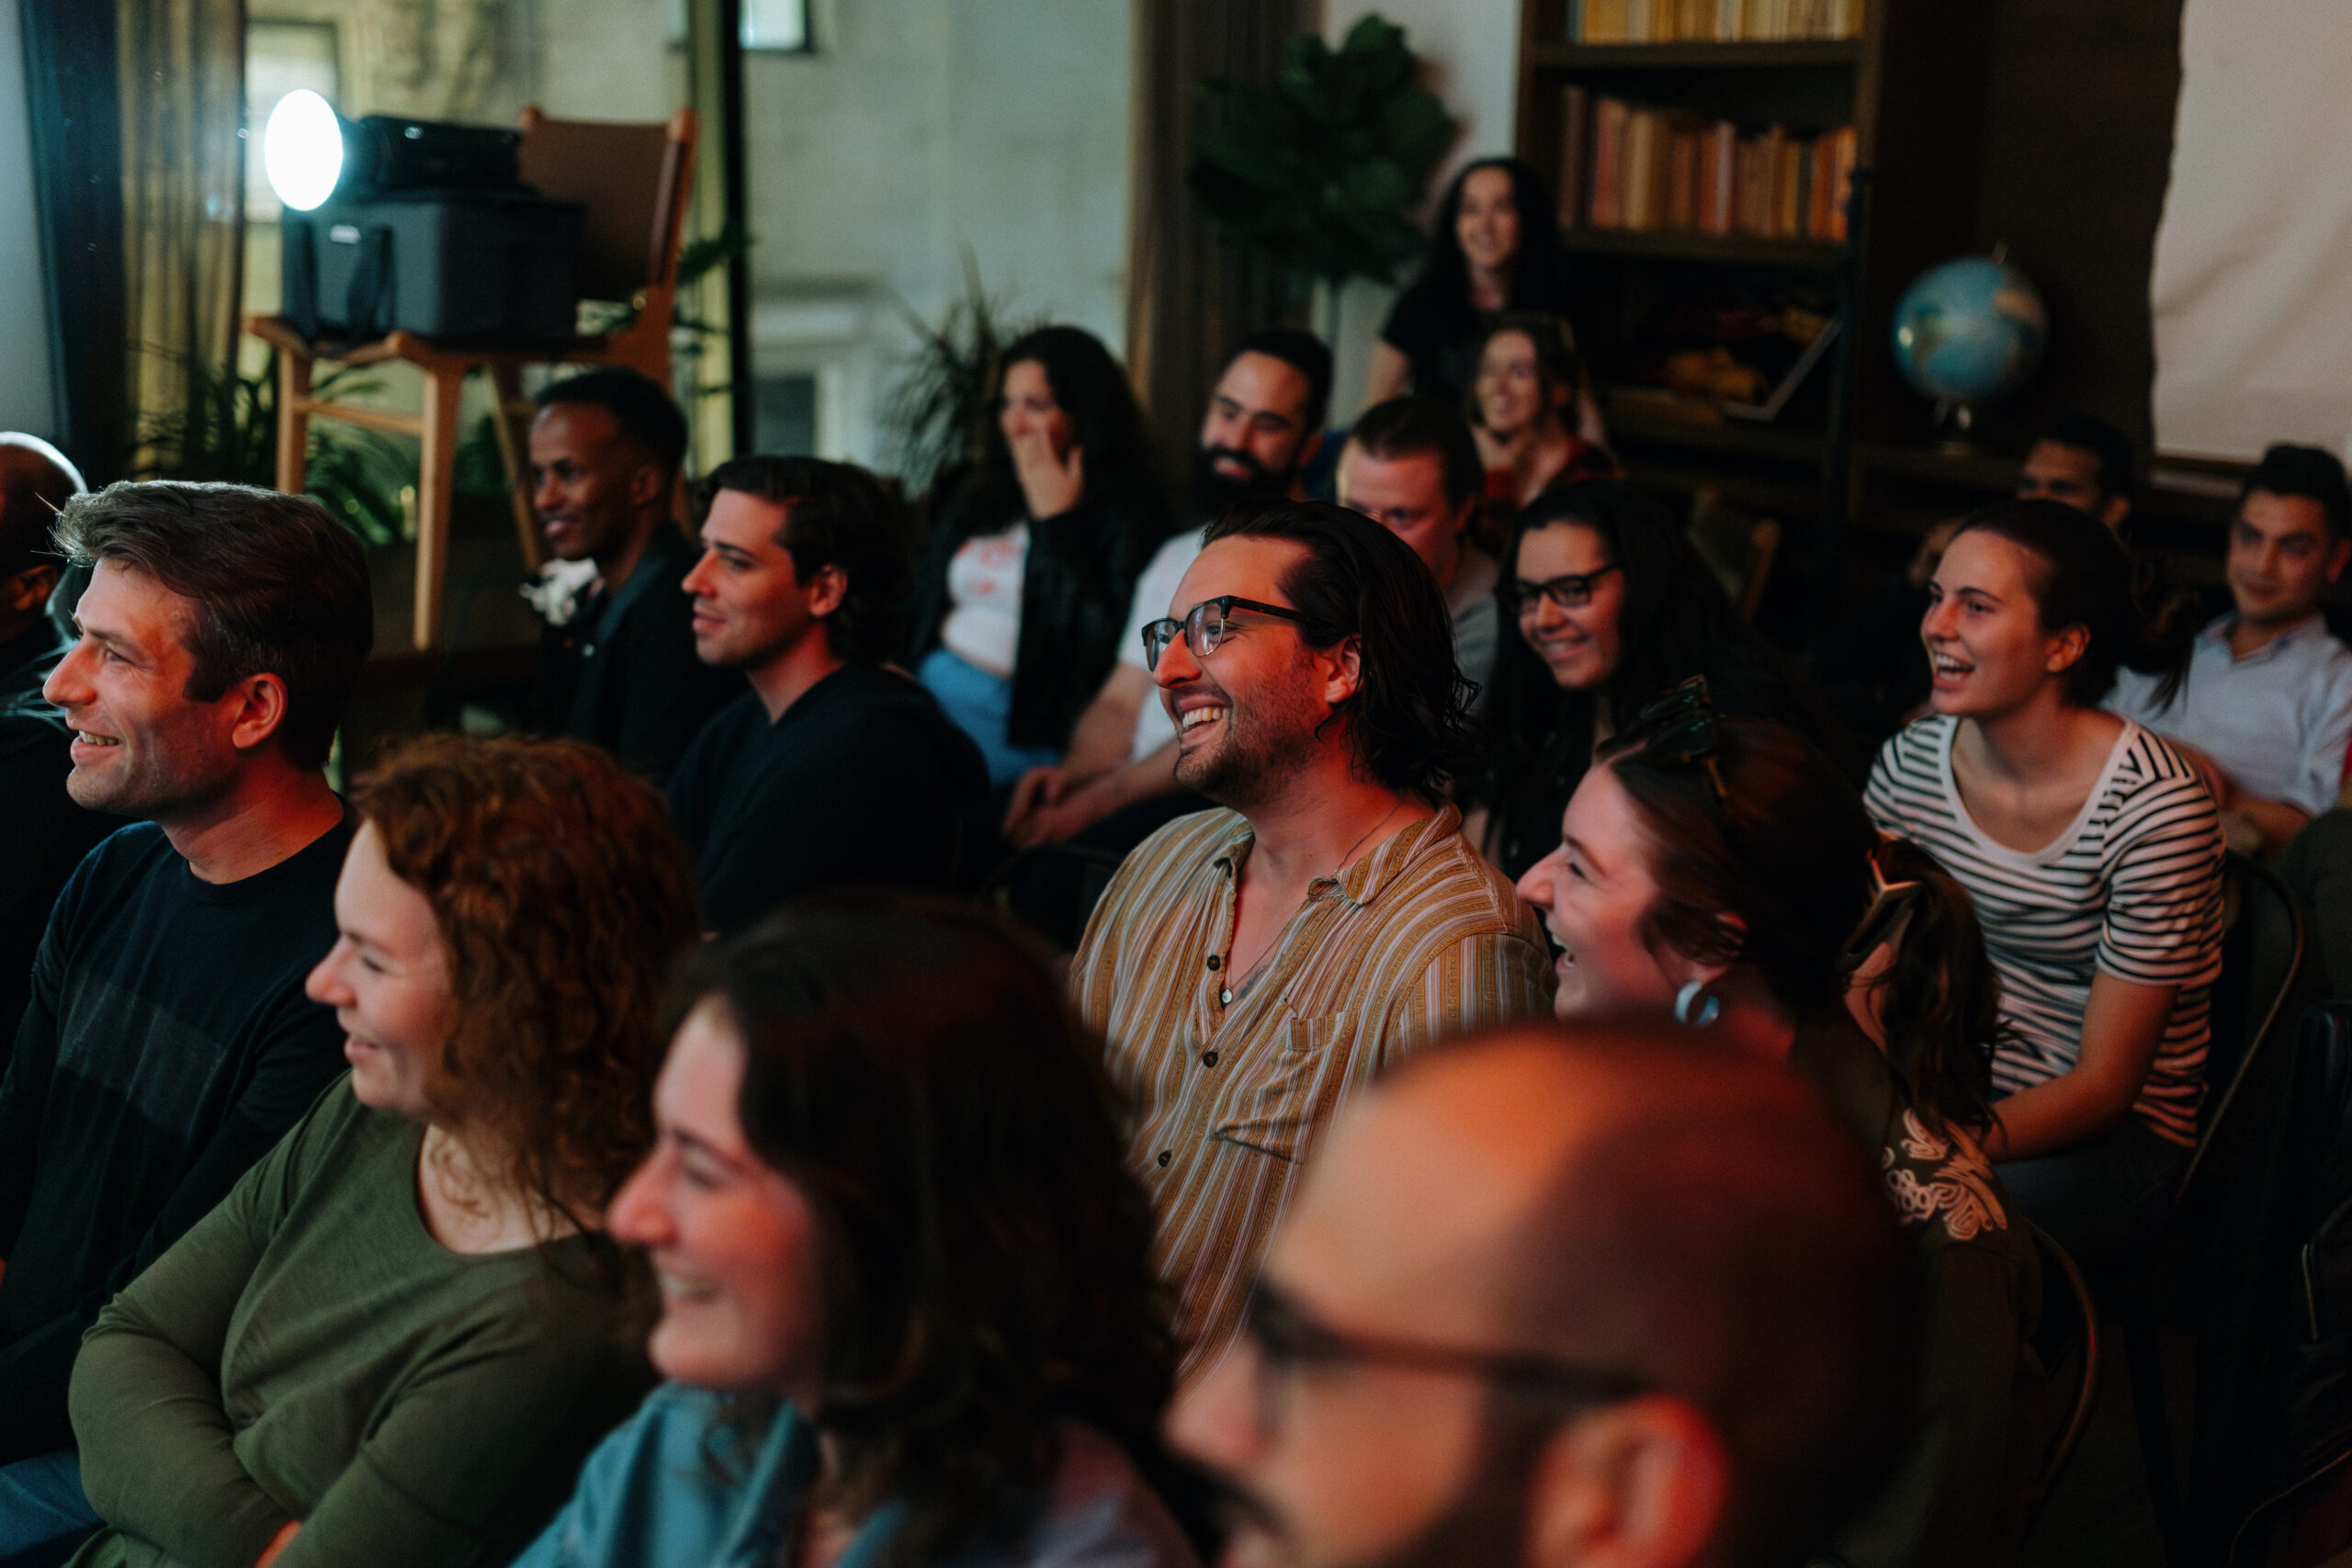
1205	624
1675	730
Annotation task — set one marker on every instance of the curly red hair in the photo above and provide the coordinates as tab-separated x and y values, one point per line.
564	896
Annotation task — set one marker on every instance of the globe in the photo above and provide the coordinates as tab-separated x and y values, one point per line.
1970	331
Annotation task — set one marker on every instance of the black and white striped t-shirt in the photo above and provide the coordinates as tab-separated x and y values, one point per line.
2133	889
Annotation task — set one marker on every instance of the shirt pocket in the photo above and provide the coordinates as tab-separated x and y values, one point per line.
1280	1093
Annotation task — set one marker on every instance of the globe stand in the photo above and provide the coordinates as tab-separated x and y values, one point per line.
1955	420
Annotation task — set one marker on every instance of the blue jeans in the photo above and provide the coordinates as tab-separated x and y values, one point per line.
2105	1202
981	704
42	1504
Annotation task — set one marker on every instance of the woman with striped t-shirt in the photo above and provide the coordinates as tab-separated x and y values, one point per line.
2093	853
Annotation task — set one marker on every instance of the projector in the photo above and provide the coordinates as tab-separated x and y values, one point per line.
410	225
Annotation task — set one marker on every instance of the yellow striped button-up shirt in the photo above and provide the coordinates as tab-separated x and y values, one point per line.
1230	1080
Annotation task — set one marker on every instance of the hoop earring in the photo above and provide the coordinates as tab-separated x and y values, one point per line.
1694	1005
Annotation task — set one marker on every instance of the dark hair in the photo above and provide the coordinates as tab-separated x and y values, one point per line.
835	514
2310	473
2083	578
914	1070
646	414
2117	463
1105	421
563	896
36	481
280	588
1559	367
1787	855
1538	272
1675	623
1412	425
1410	717
1305	353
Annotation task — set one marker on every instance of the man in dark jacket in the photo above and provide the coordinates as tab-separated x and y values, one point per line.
620	672
831	767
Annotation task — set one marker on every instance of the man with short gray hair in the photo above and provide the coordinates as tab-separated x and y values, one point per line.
168	1043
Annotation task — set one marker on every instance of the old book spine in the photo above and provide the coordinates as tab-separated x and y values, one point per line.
1606	208
1576	151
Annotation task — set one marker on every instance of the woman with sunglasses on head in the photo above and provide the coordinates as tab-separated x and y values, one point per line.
407	1321
1612	607
2093	853
907	1314
1721	870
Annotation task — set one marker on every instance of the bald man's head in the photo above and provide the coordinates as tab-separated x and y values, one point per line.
1631	1206
36	481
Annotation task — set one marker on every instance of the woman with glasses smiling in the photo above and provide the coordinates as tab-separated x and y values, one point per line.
1614	607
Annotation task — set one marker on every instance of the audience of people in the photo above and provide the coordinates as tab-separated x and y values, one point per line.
1033	551
1613	608
1527	410
1249	966
907	1312
620	671
404	1326
2093	855
832	767
1409	465
168	1044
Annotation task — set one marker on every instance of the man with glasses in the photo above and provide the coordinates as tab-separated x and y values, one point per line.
1250	967
1552	1299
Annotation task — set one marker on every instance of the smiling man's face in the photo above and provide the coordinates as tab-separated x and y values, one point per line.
143	747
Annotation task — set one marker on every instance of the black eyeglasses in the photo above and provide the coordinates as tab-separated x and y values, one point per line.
1675	730
1573	592
1288	1341
1203	626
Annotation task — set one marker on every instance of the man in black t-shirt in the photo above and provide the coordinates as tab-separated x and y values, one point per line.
619	672
831	768
168	1044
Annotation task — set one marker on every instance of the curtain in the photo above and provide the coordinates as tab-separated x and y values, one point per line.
182	74
1189	296
70	92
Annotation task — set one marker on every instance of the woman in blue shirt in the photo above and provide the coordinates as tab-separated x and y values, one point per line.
908	1309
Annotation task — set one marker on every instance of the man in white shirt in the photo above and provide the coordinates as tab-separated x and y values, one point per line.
2265	710
1263	426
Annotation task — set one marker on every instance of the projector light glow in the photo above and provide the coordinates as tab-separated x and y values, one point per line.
301	148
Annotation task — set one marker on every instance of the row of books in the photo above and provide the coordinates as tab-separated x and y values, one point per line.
1623	167
1712	21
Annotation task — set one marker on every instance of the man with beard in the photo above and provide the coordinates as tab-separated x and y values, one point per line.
620	671
1248	967
168	1042
1551	1300
1116	783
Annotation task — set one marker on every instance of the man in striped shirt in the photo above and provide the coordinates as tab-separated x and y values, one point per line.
1250	966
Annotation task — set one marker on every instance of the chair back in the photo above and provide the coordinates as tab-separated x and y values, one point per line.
2065	1333
632	180
2267	950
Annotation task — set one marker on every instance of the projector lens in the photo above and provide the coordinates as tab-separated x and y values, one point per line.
302	149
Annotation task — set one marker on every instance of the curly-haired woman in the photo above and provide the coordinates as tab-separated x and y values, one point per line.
907	1309
404	1326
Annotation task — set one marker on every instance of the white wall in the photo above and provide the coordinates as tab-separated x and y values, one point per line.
919	127
1470	49
27	400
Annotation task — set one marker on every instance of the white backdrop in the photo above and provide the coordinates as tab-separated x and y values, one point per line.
25	373
2252	292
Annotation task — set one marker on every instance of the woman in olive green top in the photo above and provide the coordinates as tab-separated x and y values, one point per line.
396	1339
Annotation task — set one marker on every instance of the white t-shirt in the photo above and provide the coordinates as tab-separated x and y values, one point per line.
2132	889
1154	589
983	623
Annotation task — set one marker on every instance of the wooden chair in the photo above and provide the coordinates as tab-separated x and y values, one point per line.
633	181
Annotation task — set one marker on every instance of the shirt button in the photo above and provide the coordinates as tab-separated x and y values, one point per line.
1209	1060
1225	997
1167	1154
1215	963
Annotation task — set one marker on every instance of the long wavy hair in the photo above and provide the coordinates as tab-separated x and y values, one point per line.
913	1068
1675	623
1106	422
1410	718
1788	853
563	896
1539	277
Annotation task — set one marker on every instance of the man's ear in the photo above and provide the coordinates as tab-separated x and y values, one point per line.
1308	445
648	485
1642	1484
30	588
2114	510
259	705
1342	668
2338	554
827	589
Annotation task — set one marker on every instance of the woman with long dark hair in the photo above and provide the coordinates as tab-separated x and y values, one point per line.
1522	407
1723	870
1612	607
1494	246
1033	552
908	1314
2094	855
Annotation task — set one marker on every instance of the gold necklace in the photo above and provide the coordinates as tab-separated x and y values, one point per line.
1368	832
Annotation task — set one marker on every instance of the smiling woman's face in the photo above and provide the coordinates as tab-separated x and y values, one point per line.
1594	890
1579	646
1986	647
388	979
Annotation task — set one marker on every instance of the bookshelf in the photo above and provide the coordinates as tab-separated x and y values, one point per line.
1911	83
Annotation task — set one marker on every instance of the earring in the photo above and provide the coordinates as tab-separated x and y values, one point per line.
1695	1006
